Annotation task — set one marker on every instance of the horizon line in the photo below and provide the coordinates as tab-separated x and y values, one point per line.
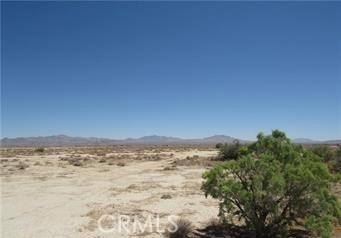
158	135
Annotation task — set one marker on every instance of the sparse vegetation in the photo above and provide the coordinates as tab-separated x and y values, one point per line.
77	163
181	168
102	160
261	165
22	165
195	161
101	154
274	188
173	167
184	226
40	150
166	196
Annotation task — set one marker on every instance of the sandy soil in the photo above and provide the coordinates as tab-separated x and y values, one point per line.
53	198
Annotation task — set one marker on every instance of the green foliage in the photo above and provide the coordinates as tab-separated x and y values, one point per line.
219	145
230	151
329	155
324	151
338	151
337	164
275	186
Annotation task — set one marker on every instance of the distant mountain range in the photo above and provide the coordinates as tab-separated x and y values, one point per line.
64	140
309	141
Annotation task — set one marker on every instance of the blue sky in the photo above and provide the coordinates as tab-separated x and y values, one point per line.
117	70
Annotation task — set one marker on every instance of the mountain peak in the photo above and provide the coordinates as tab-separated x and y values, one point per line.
220	139
158	139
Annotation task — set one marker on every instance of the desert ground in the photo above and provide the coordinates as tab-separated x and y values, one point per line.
62	192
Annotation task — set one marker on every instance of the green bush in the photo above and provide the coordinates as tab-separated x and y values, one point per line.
324	151
230	151
219	145
337	163
274	187
329	155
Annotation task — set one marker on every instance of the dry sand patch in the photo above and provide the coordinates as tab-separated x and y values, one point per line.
54	198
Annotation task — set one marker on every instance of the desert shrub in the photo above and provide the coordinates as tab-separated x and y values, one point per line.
156	157
121	164
214	221
276	186
185	228
22	165
77	163
102	160
39	150
195	161
173	167
329	155
166	196
219	145
324	151
231	151
336	166
100	154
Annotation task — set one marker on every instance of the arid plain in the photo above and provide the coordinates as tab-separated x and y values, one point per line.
62	192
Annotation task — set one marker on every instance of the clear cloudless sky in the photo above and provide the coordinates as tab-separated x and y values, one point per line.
186	69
